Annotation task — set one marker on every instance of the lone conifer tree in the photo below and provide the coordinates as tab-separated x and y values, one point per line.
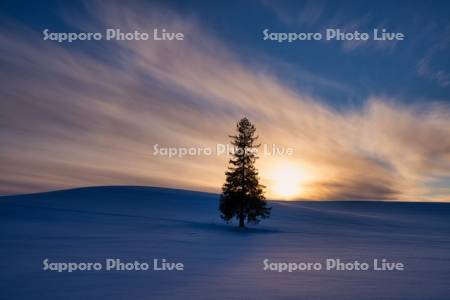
242	195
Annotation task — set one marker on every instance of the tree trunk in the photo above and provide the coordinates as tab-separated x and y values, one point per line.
241	221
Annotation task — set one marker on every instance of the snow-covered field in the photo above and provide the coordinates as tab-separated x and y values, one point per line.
220	261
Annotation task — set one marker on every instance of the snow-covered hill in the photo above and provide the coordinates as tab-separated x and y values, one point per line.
220	261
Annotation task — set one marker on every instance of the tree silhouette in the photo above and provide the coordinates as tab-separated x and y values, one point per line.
242	195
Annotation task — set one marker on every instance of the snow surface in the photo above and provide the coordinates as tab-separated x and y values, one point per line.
221	261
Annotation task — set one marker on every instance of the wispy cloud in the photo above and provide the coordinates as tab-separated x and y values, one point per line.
425	66
72	119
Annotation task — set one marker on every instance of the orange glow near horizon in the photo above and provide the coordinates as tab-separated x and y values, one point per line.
286	180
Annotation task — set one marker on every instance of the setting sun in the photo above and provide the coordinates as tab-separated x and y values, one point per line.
286	180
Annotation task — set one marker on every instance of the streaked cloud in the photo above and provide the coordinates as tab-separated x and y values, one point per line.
428	66
71	118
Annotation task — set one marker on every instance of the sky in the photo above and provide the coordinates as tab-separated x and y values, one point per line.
367	120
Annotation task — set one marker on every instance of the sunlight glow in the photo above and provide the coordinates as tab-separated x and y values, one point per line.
286	180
